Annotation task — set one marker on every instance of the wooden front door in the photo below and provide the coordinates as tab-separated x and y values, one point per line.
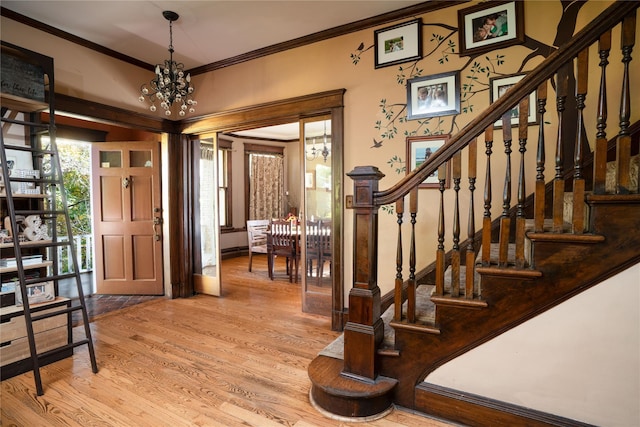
127	218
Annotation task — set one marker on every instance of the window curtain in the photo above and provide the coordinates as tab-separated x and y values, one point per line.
266	186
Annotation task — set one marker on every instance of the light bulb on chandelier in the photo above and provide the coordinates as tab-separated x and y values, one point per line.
170	85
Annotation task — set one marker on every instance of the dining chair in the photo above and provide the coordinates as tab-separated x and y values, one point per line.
257	237
324	247
282	240
313	248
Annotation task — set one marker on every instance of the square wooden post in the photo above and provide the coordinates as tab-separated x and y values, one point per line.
364	331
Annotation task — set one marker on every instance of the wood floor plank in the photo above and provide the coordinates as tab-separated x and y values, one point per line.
237	360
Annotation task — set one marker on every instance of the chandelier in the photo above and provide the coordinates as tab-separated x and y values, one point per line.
170	85
314	152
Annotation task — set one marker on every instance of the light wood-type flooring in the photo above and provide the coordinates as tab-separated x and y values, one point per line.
238	360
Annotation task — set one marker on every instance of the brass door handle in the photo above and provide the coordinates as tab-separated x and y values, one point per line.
156	222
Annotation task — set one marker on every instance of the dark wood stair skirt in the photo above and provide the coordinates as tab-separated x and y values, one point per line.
348	399
473	410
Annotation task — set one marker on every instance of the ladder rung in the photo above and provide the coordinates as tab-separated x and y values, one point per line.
25	123
57	313
63	348
46	244
49	278
48	213
39	151
46	181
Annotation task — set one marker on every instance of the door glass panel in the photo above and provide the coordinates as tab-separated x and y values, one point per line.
140	159
110	159
318	208
206	259
208	209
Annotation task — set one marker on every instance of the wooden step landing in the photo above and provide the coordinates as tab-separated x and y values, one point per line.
339	397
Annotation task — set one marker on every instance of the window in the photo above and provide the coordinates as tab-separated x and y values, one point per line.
264	178
224	183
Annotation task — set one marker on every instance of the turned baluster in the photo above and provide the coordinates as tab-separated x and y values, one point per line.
411	290
440	251
577	223
470	259
505	221
398	284
558	181
523	127
486	219
539	196
456	172
623	157
600	151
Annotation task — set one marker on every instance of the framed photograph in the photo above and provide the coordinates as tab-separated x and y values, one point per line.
398	44
310	180
433	96
499	85
490	25
419	149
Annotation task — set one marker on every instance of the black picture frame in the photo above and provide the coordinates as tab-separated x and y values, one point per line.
490	25
498	86
399	43
419	148
433	96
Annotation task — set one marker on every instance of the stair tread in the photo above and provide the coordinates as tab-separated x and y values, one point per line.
425	314
494	254
448	279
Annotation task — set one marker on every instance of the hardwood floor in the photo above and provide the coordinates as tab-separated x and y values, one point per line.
239	360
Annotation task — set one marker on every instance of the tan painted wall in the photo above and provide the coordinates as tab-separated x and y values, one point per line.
327	65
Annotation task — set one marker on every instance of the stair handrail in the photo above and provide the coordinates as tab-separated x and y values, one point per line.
559	58
363	333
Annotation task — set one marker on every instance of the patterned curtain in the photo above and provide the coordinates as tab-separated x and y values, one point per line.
266	186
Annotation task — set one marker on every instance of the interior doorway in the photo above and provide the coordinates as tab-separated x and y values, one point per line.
296	110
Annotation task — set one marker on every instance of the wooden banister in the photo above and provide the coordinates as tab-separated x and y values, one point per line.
365	330
613	15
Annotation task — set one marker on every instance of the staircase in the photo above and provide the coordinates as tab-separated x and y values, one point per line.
577	228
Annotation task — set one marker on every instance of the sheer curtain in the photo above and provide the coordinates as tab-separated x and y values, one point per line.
266	186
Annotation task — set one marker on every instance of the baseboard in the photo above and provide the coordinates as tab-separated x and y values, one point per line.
473	410
228	253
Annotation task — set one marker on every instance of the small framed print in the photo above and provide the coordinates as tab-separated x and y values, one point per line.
433	96
419	149
398	44
499	85
310	180
490	25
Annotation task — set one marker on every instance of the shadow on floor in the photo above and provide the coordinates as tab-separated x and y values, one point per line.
97	304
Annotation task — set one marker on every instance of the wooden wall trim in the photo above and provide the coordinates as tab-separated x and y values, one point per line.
474	410
267	114
73	39
261	148
341	30
363	24
180	219
93	111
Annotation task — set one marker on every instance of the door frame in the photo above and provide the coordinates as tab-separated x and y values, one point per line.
288	111
176	174
130	284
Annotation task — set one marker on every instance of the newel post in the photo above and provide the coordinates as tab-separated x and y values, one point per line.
364	331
